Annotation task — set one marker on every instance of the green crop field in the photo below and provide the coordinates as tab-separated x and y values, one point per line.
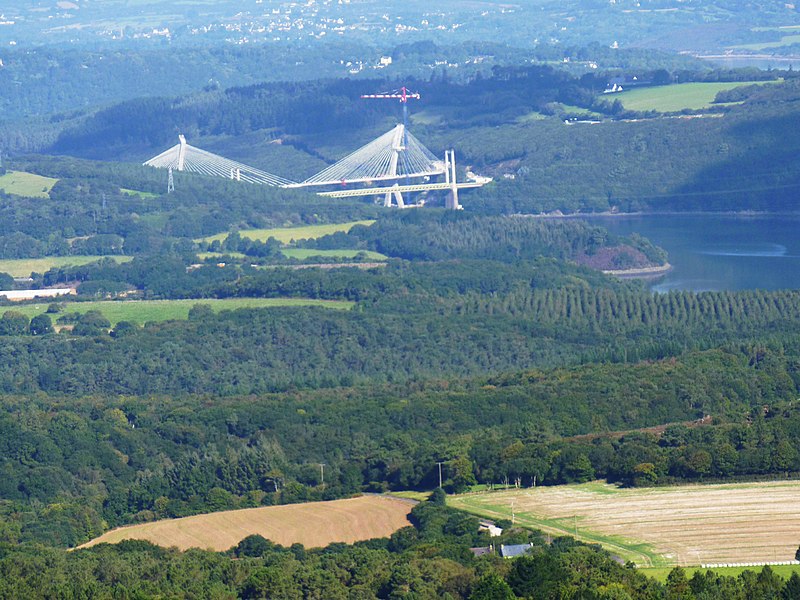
786	40
660	573
673	98
303	253
23	267
287	234
659	527
26	184
138	193
148	311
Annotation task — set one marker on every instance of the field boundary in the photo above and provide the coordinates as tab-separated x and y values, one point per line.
735	524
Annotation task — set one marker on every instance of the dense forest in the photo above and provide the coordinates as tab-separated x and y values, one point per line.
487	341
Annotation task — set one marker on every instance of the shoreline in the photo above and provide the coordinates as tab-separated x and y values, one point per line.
640	273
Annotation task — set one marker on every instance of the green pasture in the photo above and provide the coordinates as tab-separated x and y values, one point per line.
530	118
144	195
411	495
23	267
287	234
660	573
629	550
786	40
21	183
218	255
673	98
147	311
304	253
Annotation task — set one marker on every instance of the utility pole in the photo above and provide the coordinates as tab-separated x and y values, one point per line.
322	474
440	473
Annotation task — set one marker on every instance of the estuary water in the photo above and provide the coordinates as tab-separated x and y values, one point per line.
720	252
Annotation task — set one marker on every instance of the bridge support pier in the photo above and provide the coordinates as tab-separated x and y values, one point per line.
450	177
396	194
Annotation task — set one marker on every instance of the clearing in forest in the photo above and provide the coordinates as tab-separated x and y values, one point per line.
287	234
314	524
679	525
676	97
21	183
151	311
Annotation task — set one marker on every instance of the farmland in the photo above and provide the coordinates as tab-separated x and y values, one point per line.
23	267
314	524
685	525
287	234
147	311
303	253
672	98
21	183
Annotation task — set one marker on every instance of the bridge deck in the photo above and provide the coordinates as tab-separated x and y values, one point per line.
380	191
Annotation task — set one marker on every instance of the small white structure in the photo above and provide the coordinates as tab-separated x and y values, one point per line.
494	530
19	295
385	61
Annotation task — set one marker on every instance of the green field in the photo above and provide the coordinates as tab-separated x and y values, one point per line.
287	234
26	184
23	267
303	253
660	573
673	98
138	193
786	40
218	255
144	311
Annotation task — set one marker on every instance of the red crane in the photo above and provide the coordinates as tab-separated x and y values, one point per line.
404	95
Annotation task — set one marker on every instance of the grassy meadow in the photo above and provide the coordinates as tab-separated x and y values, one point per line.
661	573
145	311
21	183
304	253
23	267
674	98
286	235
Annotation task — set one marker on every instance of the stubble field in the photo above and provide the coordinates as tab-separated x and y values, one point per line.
314	524
682	525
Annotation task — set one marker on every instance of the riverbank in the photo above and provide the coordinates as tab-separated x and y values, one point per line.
640	273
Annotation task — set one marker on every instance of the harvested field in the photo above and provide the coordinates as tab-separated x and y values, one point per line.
683	525
315	525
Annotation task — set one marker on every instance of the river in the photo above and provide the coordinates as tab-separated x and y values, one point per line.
720	252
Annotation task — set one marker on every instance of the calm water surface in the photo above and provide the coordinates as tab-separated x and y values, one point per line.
720	252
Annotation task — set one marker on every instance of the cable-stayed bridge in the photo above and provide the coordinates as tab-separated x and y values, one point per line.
396	155
183	157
